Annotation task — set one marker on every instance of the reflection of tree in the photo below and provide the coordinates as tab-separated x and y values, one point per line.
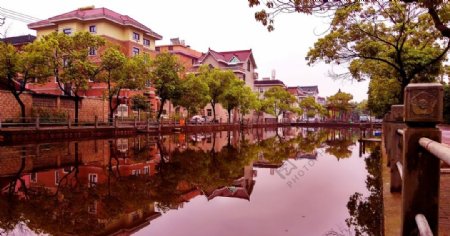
366	214
205	170
339	142
277	149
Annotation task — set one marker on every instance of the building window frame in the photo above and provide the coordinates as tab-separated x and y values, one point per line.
67	31
136	36
93	29
146	170
146	42
209	112
135	51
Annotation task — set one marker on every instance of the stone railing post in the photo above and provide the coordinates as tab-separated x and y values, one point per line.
395	146
96	122
421	170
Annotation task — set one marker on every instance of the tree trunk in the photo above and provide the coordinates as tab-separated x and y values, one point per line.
229	115
22	106
161	106
213	105
111	111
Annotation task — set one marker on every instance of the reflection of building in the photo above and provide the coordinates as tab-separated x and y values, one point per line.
88	179
241	188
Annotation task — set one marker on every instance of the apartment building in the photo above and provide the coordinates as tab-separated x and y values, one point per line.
130	35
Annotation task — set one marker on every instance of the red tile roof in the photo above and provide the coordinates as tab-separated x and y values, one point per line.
95	14
225	57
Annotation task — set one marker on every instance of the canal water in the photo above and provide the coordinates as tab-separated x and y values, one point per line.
290	181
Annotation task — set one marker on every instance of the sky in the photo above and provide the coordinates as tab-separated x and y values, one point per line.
219	25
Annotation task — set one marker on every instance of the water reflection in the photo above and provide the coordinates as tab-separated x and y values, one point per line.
366	213
102	187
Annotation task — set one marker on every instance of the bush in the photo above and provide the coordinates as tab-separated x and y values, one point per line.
49	115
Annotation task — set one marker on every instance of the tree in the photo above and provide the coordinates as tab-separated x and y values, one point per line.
280	101
18	68
437	10
194	95
391	37
122	73
310	106
248	101
140	102
383	92
165	77
261	105
231	97
70	62
218	82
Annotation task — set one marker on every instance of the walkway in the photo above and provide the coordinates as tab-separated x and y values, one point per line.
392	201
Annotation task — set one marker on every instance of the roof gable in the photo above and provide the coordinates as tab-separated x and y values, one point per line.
230	57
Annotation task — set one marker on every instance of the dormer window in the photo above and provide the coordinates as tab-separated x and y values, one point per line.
136	36
234	60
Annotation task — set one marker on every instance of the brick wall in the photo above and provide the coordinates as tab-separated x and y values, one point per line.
9	108
89	107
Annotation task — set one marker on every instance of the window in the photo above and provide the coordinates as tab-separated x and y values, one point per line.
92	180
157	49
170	48
136	36
135	51
92	51
193	61
146	170
261	90
146	42
209	112
136	172
67	169
92	29
67	31
248	65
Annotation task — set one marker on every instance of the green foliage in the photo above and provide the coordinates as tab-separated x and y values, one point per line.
383	93
194	94
165	76
311	107
218	82
386	39
439	11
140	102
120	72
49	115
279	101
17	68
